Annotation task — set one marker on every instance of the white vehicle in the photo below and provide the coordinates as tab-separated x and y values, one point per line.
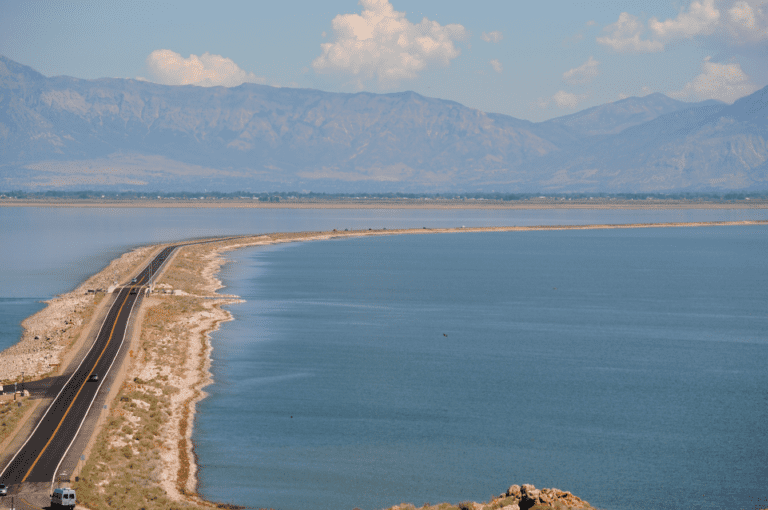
63	498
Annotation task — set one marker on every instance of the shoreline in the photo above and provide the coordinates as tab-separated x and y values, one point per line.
55	331
445	204
41	335
192	274
218	260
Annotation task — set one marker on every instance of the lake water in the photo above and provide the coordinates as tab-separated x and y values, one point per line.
627	366
638	382
48	251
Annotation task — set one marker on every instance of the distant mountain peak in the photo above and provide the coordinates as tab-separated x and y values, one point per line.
13	72
753	107
111	133
613	118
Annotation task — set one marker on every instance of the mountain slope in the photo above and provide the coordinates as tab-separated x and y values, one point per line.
703	148
65	132
282	136
613	118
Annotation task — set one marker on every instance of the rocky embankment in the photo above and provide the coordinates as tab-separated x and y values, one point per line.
48	336
527	496
517	497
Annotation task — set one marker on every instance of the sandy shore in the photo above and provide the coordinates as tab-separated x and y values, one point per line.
153	412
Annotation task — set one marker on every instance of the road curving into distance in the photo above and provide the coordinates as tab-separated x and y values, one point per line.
39	458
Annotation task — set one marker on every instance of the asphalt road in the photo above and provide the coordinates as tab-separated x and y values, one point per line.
41	455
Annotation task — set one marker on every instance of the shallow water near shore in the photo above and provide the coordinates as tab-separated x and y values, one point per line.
627	366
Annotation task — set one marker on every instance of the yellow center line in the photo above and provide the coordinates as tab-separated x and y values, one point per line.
114	324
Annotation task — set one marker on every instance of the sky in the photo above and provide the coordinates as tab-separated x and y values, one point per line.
531	60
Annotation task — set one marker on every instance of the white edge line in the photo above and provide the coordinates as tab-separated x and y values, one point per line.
59	393
83	360
55	472
65	385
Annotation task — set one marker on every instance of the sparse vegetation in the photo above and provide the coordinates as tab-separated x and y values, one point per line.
125	465
141	457
10	414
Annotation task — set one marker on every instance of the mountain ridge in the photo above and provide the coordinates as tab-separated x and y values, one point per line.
637	110
113	133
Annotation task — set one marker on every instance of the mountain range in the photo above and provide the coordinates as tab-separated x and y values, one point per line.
120	134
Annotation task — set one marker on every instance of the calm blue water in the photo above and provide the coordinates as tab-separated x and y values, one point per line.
47	251
627	366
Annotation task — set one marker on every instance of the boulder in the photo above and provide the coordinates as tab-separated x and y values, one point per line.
530	496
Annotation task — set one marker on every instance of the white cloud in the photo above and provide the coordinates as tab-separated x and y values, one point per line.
745	23
494	36
742	14
624	35
701	19
382	43
726	82
497	66
565	99
644	91
170	68
561	99
582	74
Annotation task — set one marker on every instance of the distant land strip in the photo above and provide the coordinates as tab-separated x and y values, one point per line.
307	236
406	203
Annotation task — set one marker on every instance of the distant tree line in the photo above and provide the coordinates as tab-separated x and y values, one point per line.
277	196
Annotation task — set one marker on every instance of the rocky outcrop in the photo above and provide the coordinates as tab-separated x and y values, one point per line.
517	497
529	497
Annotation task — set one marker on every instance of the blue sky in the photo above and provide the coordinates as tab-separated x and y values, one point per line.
531	60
